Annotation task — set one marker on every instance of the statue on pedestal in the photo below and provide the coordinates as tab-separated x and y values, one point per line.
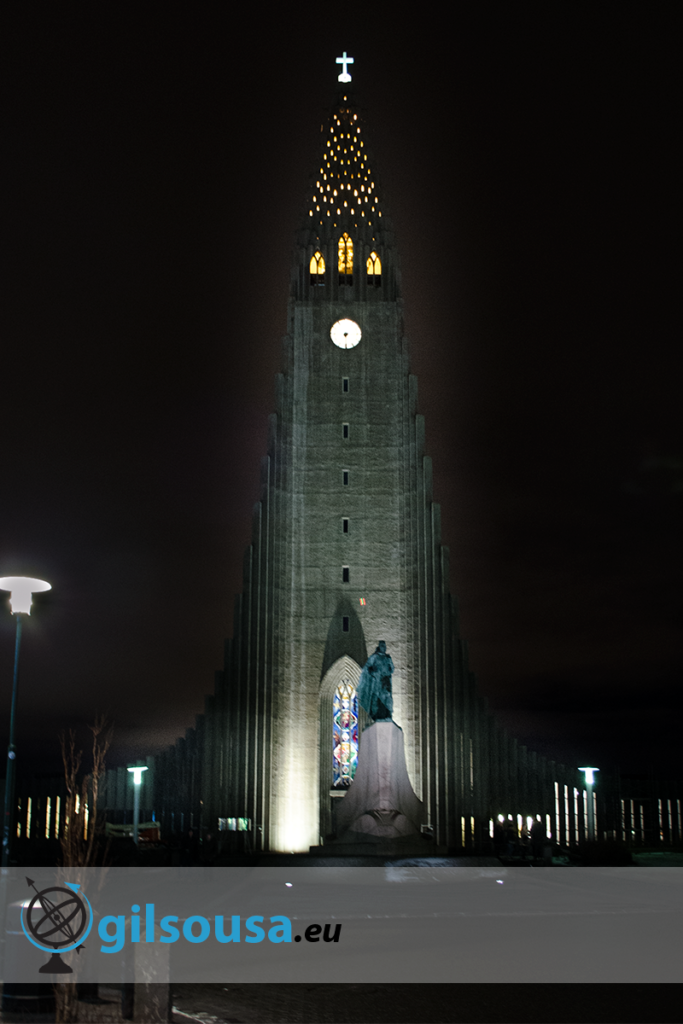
380	806
374	688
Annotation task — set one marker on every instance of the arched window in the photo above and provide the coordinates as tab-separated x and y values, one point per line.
344	734
345	259
317	268
374	269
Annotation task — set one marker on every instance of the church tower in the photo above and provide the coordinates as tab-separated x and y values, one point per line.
346	548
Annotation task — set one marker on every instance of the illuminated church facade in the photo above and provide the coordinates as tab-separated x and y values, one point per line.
346	551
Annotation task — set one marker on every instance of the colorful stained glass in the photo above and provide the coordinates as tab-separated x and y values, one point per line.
344	734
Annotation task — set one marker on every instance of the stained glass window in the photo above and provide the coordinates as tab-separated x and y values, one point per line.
344	734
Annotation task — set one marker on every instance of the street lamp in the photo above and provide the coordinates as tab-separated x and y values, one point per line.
137	782
590	778
21	589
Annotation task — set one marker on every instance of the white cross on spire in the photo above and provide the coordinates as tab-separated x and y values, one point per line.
345	76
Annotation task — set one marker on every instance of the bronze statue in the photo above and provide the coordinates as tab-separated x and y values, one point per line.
374	688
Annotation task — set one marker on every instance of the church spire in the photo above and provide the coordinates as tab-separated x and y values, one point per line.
344	225
345	190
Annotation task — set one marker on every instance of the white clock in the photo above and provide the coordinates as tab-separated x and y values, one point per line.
345	333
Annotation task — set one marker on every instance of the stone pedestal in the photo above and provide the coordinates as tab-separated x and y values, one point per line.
380	805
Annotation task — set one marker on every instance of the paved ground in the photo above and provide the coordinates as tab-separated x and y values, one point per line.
429	1004
404	1004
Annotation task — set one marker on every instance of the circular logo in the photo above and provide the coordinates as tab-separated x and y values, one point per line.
57	918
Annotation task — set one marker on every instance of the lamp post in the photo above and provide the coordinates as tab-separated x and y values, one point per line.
137	782
590	778
21	589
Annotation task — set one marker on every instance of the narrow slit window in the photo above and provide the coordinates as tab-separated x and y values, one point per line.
345	431
345	477
345	574
345	526
345	623
345	384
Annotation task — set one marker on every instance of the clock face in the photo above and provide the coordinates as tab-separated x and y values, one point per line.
345	333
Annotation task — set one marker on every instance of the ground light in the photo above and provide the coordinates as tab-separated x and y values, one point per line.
21	590
137	782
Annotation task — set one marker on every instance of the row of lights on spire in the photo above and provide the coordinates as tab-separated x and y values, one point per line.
345	60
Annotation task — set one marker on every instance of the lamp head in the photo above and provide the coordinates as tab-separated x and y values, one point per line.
21	588
588	772
137	773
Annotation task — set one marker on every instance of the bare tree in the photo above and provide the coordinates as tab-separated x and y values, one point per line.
81	832
80	835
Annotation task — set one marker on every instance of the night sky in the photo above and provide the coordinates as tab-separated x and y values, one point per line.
155	171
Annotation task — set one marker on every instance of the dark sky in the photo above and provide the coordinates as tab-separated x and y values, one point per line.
156	167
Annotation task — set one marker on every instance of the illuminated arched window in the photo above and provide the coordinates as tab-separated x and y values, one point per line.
374	269
344	734
317	268
345	259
